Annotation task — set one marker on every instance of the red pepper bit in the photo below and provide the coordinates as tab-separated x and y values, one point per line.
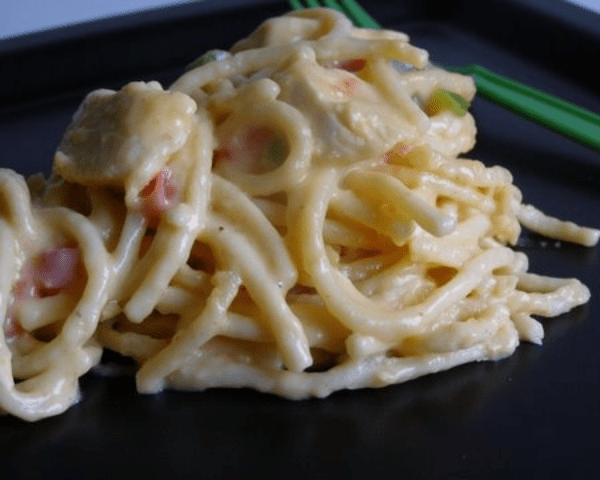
58	269
145	245
159	195
12	328
254	150
347	86
395	154
221	155
353	65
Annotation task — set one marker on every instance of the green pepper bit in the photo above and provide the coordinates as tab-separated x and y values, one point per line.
446	100
276	153
210	56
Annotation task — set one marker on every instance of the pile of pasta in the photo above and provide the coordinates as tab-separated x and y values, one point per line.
292	216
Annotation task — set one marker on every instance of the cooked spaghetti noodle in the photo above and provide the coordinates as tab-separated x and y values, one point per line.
292	216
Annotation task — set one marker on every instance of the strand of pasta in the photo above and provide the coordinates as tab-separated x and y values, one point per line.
329	23
14	195
371	371
551	304
231	201
37	313
346	204
440	187
137	346
267	292
45	363
286	119
172	244
358	312
535	220
8	260
453	249
150	377
529	328
385	190
81	323
385	78
328	47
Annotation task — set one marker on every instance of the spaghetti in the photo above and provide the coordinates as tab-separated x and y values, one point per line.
292	216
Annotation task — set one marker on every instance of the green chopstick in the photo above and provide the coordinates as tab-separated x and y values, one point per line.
550	111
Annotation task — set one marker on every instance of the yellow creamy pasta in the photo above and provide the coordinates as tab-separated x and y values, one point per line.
294	215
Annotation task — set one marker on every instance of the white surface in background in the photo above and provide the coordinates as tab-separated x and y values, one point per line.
24	16
593	5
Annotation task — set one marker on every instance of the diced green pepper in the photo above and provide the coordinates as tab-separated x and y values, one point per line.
210	56
446	100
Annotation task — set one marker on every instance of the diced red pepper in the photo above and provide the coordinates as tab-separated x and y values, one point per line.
353	65
13	328
53	271
398	151
254	150
159	195
347	86
56	268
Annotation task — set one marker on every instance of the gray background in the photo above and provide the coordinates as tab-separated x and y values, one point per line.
23	16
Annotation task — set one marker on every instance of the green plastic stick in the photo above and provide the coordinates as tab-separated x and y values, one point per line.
552	112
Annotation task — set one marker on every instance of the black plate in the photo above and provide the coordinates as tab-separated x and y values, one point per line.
533	415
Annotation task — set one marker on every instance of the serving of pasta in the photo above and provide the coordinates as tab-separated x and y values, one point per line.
293	215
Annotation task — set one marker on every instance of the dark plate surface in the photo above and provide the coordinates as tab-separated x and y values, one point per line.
533	415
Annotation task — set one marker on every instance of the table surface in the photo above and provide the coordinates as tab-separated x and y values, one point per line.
18	17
